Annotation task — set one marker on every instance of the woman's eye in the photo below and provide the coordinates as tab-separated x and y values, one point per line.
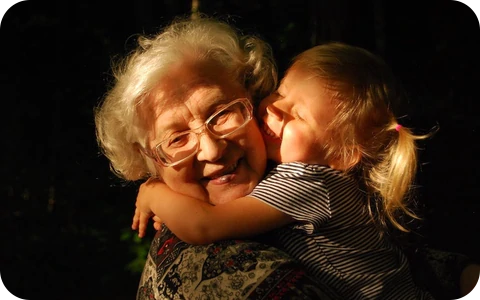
178	141
222	117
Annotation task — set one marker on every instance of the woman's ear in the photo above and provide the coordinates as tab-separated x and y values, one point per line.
149	160
138	148
142	150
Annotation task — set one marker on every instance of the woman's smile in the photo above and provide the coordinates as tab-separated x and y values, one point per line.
269	135
223	175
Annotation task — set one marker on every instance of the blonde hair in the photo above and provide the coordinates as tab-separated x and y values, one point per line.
364	135
119	129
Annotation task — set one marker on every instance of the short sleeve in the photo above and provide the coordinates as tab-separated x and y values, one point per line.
298	191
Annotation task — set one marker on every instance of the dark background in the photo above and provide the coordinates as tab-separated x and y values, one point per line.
65	217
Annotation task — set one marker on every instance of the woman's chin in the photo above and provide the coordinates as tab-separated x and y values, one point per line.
230	194
234	185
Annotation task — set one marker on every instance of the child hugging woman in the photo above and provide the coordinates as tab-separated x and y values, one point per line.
345	170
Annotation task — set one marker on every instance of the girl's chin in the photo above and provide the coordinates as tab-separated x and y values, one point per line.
270	140
274	156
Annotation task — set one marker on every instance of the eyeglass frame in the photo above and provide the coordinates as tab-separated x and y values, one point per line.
153	153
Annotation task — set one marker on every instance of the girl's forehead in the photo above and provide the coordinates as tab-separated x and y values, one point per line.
292	77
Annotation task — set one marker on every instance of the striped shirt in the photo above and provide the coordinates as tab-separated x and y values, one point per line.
334	236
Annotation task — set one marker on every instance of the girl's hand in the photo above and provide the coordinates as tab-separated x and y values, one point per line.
157	222
140	221
147	194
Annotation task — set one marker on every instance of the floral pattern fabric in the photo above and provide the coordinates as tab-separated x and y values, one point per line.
233	269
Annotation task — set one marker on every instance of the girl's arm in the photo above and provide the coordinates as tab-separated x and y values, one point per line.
198	222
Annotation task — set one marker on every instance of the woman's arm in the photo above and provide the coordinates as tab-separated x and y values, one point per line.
198	222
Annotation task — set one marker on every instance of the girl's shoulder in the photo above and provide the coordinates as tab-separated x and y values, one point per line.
307	169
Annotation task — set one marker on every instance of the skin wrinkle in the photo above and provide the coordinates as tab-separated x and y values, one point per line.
168	93
205	89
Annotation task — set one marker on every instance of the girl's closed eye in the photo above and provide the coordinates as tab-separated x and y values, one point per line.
278	94
297	114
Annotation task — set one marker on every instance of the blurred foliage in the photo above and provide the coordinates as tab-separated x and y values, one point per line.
66	218
139	247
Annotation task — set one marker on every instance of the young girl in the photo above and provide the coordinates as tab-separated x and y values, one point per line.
346	168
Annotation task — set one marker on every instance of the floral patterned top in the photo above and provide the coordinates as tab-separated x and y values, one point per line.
231	269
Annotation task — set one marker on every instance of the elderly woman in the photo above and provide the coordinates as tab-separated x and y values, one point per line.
194	85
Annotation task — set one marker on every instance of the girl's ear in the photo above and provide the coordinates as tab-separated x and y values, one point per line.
348	162
355	158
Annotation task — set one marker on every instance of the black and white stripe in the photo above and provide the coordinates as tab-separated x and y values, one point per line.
334	236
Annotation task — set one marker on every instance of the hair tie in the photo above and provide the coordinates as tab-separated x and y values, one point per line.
397	128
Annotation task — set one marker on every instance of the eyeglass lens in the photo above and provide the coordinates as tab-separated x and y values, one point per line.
220	124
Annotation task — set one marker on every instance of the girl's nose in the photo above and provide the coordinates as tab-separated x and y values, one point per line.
210	148
266	107
274	119
274	112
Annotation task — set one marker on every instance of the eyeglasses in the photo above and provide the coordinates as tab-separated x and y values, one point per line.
183	145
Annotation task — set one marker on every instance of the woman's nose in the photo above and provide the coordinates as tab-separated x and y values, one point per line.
210	148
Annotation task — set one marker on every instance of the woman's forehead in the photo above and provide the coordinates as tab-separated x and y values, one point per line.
195	82
164	114
189	91
200	98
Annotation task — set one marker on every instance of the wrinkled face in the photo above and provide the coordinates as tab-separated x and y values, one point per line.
222	169
295	119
